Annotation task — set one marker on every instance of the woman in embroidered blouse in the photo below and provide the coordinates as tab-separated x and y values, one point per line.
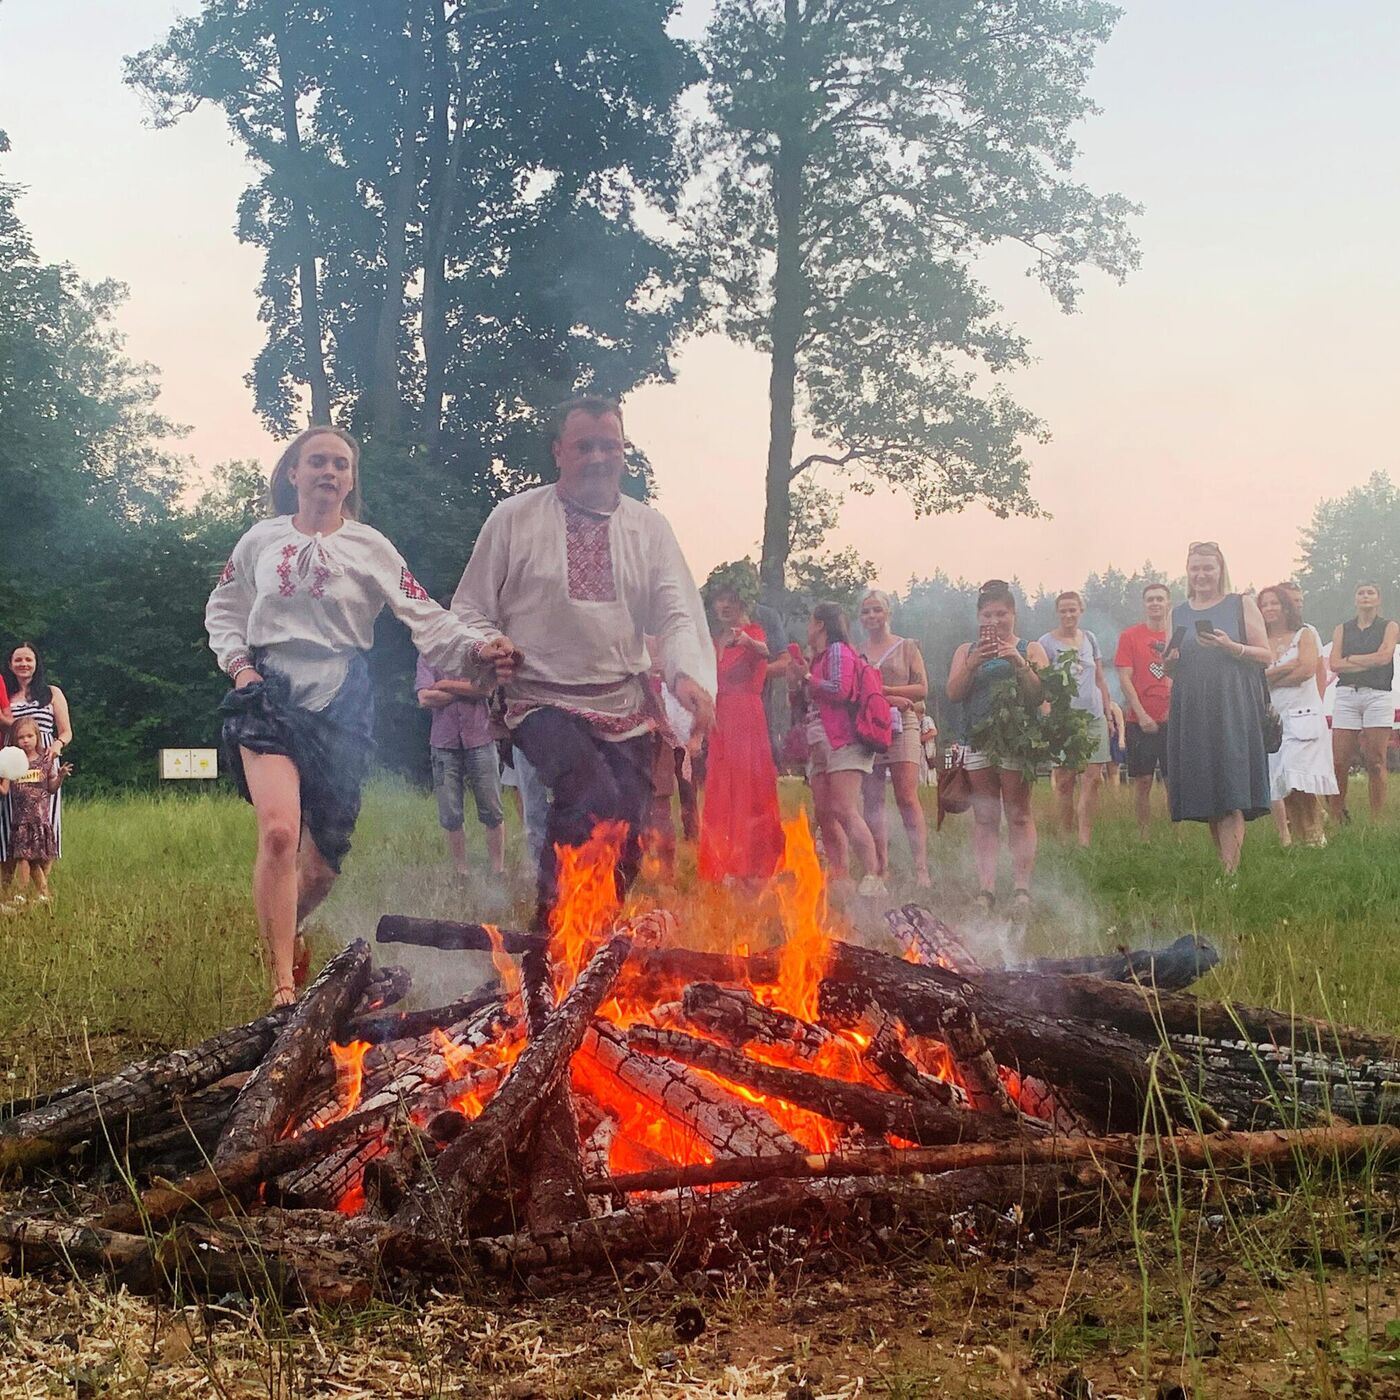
837	762
290	620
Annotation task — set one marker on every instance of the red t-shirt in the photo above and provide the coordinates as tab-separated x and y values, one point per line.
1150	678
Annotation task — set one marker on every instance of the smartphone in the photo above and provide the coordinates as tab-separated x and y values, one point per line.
1178	636
1204	627
987	636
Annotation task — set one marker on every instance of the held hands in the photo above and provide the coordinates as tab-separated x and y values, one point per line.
246	677
501	653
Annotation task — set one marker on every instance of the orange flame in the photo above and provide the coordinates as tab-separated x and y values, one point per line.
806	954
644	1129
349	1075
587	905
505	967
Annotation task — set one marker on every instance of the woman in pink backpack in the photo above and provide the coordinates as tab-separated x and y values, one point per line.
837	762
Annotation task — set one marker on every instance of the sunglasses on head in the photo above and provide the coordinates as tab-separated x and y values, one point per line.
1199	545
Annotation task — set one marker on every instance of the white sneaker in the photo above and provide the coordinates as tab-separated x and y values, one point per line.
872	887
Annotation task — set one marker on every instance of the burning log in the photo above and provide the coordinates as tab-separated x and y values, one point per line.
886	1055
269	1098
1177	965
716	1115
441	1197
450	936
384	1026
686	1228
556	1174
113	1104
975	1064
238	1177
839	1100
1347	1145
924	938
736	1017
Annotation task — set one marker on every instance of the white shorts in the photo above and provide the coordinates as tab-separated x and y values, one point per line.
1363	707
975	762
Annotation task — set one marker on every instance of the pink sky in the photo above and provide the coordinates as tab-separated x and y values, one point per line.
1246	371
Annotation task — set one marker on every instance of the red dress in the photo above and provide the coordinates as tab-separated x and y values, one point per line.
741	833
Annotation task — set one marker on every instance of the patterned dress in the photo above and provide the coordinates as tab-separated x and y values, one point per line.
42	715
31	829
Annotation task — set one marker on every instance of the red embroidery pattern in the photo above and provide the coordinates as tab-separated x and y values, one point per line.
590	556
284	571
411	588
319	575
602	724
227	575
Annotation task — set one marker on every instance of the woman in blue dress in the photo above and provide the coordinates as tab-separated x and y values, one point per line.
1217	766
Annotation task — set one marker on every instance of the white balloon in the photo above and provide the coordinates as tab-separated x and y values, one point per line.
13	763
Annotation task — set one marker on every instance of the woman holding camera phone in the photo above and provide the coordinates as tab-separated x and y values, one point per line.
1217	767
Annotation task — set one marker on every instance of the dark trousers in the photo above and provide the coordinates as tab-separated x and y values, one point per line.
590	781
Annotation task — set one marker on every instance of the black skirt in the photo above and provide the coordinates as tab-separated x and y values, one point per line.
331	749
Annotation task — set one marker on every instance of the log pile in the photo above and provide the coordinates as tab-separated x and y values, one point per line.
611	1098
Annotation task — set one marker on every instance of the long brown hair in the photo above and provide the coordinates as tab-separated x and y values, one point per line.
281	496
832	617
1288	603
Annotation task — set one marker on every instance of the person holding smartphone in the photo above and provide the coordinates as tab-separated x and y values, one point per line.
1217	766
1147	696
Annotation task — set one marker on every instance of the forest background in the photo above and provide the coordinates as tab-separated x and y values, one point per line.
468	211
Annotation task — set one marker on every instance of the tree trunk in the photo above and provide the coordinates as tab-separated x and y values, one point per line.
789	311
308	289
399	204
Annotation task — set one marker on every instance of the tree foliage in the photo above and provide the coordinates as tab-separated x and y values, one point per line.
1351	538
858	158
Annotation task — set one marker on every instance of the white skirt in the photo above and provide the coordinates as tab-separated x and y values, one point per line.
1304	762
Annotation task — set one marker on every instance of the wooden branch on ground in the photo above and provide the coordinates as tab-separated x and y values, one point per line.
1347	1145
451	936
270	1097
688	1227
837	1099
441	1197
1177	965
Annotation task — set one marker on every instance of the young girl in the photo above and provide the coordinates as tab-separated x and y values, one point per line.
33	844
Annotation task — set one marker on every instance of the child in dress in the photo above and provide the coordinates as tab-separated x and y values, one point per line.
33	845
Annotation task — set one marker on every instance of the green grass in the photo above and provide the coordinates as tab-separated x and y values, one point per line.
151	942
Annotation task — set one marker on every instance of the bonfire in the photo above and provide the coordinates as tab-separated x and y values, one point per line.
613	1095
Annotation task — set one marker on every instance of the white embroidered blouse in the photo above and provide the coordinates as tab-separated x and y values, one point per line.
309	602
578	592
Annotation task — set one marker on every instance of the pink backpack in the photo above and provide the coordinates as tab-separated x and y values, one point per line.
874	714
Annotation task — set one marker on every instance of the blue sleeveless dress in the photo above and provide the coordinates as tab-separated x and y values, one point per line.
1216	762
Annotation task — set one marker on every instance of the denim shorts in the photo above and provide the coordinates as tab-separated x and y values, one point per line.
456	770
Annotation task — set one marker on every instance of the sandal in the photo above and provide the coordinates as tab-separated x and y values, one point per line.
985	902
283	994
1021	906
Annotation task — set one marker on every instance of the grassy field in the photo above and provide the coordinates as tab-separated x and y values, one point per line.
1292	1292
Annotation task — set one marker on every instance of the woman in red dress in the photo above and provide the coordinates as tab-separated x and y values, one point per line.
741	835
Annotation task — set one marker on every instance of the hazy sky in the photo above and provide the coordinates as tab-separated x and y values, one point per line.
1249	368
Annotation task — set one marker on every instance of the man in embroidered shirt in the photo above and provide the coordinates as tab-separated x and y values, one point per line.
578	575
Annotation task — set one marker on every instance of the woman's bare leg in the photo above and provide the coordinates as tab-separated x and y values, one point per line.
1229	839
905	777
314	879
833	833
873	804
22	869
845	797
1087	808
275	789
39	871
1142	805
1374	743
1345	744
1282	810
1021	834
986	827
1062	784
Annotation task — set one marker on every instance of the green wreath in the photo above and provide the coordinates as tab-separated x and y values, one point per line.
1017	735
740	577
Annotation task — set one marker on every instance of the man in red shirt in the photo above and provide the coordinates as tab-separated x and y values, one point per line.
1147	695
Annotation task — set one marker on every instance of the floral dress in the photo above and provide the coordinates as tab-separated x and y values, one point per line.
32	835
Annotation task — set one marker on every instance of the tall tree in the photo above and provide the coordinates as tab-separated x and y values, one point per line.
1352	538
858	157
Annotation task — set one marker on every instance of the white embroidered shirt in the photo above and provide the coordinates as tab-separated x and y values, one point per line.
310	602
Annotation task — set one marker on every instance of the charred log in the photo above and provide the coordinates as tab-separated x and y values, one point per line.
452	936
